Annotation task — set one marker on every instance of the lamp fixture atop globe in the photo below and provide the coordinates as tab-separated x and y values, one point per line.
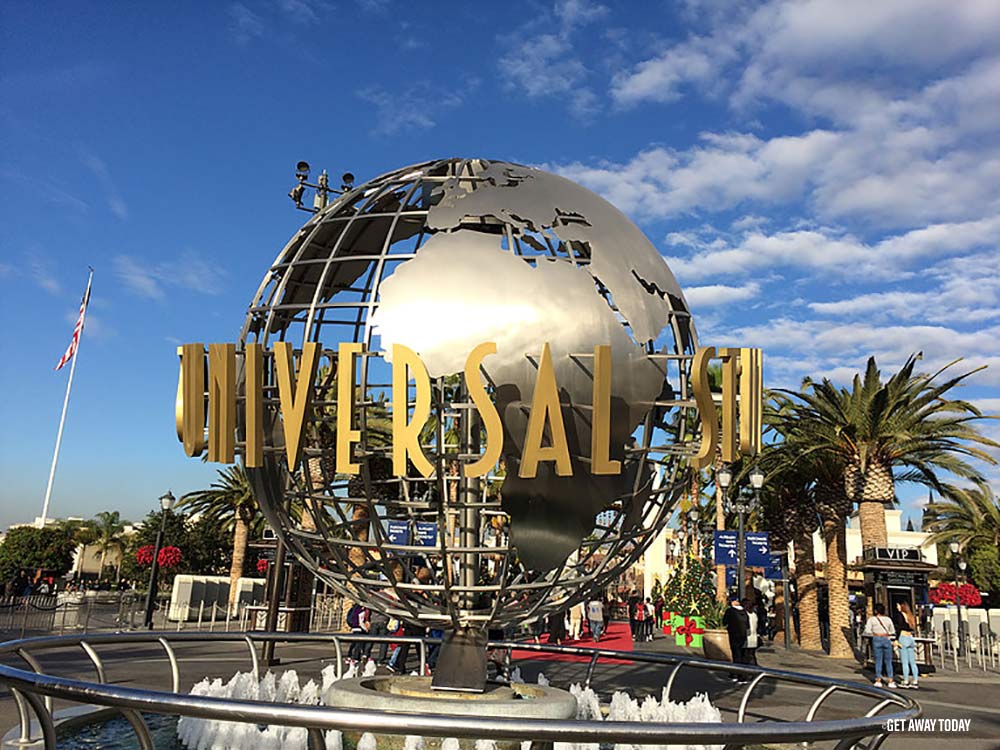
443	256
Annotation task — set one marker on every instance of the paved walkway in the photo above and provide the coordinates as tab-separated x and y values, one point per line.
943	696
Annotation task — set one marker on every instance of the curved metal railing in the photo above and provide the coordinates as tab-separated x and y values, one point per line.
34	690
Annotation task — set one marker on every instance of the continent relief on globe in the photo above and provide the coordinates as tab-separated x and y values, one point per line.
483	292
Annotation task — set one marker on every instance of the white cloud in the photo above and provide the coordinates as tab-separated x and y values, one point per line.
578	12
244	24
719	294
696	62
838	350
414	108
41	272
114	198
826	250
138	277
549	64
910	93
190	271
968	291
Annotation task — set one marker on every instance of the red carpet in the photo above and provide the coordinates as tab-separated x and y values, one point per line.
616	638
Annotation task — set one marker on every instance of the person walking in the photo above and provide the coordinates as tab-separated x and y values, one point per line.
633	614
357	621
557	628
379	626
881	630
753	634
908	657
595	618
397	662
737	624
576	613
638	616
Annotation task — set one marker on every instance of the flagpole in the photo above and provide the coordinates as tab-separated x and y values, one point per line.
62	419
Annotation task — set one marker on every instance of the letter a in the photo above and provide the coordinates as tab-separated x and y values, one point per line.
406	435
545	407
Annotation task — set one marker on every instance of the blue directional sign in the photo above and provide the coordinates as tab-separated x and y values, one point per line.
758	549
773	571
731	573
427	533
398	532
725	548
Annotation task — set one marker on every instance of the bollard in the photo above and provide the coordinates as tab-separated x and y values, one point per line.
86	617
201	612
211	624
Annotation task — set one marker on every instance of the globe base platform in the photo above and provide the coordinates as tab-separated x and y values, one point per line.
461	664
415	695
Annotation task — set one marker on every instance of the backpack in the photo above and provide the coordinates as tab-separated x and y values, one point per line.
354	616
640	611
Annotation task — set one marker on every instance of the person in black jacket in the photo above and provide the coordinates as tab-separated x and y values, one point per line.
737	623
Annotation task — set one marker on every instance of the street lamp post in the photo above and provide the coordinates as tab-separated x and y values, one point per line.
957	563
166	503
694	531
742	506
725	478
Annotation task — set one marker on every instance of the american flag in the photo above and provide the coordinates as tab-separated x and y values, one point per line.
77	330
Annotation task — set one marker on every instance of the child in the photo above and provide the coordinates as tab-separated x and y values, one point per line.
908	657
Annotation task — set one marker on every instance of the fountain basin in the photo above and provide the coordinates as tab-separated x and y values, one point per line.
414	695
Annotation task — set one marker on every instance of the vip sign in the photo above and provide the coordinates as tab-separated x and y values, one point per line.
197	406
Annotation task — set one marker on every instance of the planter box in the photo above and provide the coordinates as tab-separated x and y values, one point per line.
716	645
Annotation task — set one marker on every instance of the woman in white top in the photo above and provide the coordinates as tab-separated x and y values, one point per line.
881	630
753	639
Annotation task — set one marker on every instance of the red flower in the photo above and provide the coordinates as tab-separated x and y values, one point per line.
944	593
169	557
144	555
262	566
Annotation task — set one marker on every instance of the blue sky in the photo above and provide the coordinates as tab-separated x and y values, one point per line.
823	177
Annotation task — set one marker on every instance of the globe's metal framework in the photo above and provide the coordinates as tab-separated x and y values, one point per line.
503	553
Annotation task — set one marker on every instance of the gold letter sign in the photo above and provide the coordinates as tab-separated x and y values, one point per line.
747	404
295	399
545	407
190	407
406	435
487	412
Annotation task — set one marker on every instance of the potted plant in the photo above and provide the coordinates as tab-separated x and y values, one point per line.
715	639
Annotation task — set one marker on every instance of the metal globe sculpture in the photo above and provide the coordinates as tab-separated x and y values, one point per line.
442	256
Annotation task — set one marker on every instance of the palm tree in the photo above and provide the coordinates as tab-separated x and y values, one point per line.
817	496
876	427
789	513
230	503
108	527
969	516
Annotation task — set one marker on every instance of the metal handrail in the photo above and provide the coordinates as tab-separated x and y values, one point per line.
133	701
